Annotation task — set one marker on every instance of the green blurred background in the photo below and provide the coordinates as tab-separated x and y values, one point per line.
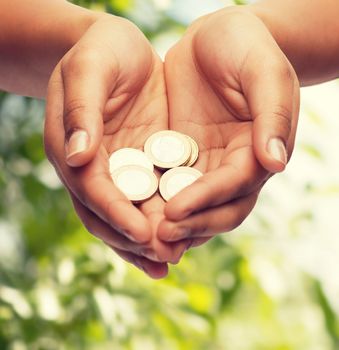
273	284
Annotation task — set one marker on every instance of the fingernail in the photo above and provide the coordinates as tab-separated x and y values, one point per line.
128	235
276	148
150	254
77	143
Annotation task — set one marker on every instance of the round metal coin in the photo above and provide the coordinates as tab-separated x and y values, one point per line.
136	182
194	152
129	156
168	149
176	179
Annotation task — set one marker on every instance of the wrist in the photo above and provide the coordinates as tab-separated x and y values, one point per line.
64	32
79	21
266	15
34	37
304	30
282	29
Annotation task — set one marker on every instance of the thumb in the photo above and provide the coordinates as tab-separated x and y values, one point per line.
272	92
86	83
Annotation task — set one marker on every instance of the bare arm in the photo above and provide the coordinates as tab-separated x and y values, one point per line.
34	35
308	33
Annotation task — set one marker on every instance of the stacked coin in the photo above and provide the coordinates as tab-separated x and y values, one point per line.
132	169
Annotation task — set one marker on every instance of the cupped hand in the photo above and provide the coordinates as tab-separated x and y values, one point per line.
108	92
232	89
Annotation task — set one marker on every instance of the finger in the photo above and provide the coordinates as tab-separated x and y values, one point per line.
261	73
91	184
88	79
160	251
94	187
129	251
152	269
103	231
118	242
241	175
170	252
272	90
210	222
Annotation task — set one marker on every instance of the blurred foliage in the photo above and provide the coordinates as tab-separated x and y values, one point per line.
62	289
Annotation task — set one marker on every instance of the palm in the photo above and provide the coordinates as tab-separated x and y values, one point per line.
135	108
217	117
224	134
238	97
130	119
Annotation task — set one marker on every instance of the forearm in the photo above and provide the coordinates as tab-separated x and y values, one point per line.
308	33
34	35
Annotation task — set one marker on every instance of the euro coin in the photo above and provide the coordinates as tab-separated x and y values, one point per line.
176	179
194	152
129	156
136	182
168	149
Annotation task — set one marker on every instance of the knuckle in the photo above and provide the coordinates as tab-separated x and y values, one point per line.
283	116
73	111
280	120
74	106
77	62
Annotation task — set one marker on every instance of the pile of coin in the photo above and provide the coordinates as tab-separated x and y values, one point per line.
132	170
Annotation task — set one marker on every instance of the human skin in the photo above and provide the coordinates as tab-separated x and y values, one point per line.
243	149
247	114
88	93
105	90
236	63
120	103
34	36
307	32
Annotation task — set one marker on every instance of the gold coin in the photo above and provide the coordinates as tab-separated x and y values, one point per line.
136	182
129	156
176	179
194	152
168	149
